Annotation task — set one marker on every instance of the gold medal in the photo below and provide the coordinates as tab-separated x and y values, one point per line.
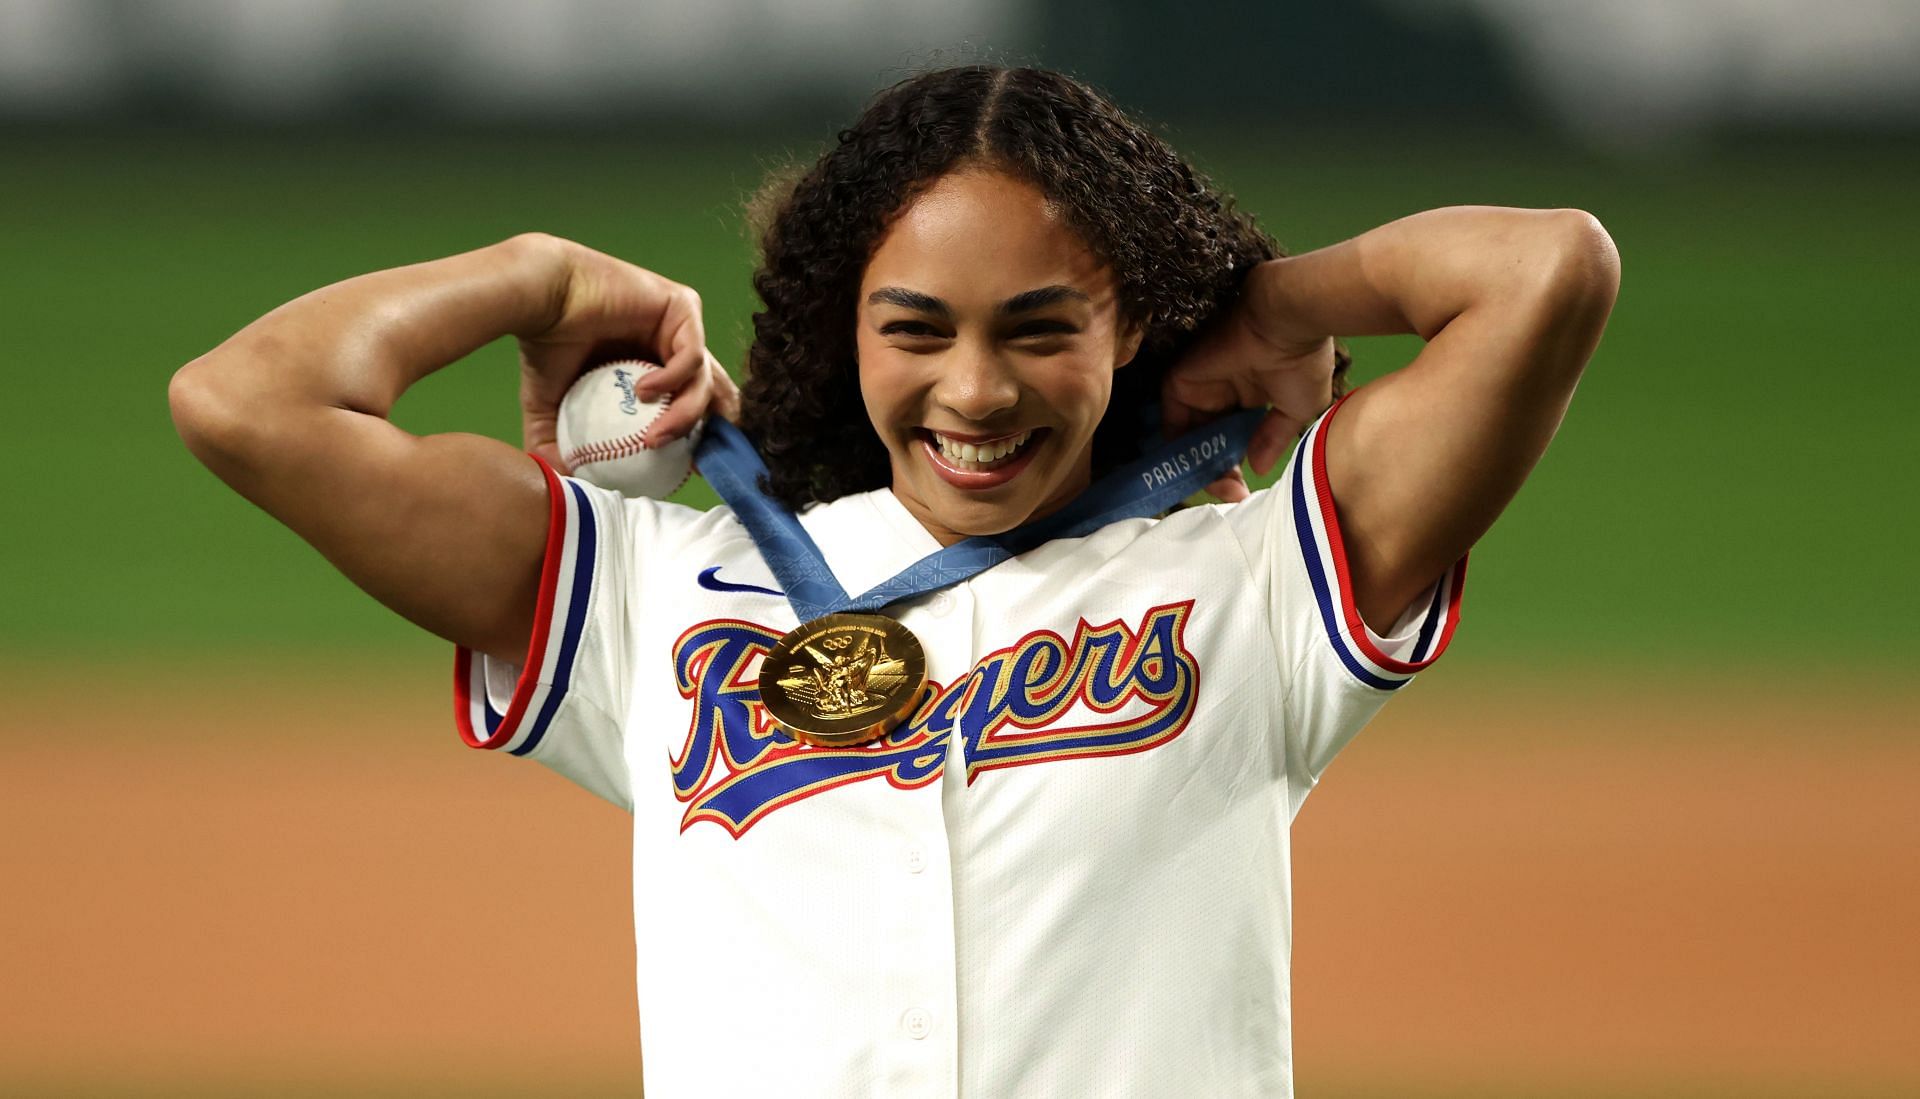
843	679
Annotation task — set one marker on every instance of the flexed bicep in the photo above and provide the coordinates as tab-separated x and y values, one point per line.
1422	461
449	530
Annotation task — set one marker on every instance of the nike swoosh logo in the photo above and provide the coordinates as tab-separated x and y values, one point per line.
712	582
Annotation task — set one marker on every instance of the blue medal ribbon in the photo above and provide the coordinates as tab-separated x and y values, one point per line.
1148	485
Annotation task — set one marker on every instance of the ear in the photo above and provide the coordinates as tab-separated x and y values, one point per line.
1128	346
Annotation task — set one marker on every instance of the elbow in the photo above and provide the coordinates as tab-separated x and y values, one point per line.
1561	304
211	418
1583	269
192	403
1569	278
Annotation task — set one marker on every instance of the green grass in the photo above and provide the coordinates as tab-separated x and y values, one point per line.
1731	490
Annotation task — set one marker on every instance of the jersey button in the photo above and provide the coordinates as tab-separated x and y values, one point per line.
940	605
917	1023
916	859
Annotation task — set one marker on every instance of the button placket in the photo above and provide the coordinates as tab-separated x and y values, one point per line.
922	1046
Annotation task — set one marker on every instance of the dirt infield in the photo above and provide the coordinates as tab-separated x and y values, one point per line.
215	889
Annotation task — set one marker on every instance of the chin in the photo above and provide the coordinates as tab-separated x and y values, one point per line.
979	517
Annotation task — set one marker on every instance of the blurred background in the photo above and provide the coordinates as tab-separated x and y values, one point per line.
1647	830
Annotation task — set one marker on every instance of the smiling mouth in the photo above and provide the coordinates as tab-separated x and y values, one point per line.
994	461
978	457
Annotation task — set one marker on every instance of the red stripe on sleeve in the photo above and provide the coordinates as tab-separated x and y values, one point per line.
1343	584
464	660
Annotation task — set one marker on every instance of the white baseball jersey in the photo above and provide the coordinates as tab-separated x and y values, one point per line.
1067	874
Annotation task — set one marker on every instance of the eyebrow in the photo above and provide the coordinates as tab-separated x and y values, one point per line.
1025	302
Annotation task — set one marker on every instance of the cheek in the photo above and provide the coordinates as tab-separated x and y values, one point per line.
881	385
1082	387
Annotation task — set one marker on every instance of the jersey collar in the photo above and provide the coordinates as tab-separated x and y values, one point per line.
867	537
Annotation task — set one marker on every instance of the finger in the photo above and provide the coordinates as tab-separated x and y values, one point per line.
1176	419
676	371
538	429
539	411
685	347
1186	404
686	397
1271	439
1306	390
726	394
550	453
684	408
1231	487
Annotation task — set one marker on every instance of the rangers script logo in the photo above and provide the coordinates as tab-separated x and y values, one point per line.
1108	690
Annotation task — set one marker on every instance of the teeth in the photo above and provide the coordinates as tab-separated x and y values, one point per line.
971	456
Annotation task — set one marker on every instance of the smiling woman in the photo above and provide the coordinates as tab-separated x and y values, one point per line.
1013	819
909	206
988	334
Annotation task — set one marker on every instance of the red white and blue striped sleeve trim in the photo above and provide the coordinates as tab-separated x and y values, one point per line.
566	581
1326	559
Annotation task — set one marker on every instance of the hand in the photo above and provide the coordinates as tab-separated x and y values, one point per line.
604	302
1248	358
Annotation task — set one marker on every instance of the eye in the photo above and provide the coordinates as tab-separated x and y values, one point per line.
1043	328
908	328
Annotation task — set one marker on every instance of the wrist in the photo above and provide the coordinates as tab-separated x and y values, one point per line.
1274	293
543	268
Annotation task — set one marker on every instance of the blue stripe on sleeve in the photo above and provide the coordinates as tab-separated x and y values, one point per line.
1329	614
1431	626
585	543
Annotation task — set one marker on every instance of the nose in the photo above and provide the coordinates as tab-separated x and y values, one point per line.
976	384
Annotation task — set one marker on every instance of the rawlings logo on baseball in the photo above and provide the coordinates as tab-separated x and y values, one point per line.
602	434
623	381
1108	691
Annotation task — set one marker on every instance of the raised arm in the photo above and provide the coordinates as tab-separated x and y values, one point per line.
448	530
1421	462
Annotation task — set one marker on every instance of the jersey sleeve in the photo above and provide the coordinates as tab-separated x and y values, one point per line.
1336	669
560	704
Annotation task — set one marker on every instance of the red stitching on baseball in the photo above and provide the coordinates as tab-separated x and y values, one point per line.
605	450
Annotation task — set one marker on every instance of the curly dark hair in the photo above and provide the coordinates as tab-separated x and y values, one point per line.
1178	248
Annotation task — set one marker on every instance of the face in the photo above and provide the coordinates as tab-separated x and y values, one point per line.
988	337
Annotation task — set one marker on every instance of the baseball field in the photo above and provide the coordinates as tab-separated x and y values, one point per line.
1647	830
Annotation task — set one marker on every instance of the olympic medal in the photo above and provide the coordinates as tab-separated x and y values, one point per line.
843	679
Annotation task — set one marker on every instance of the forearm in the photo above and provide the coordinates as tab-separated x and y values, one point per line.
359	344
1419	273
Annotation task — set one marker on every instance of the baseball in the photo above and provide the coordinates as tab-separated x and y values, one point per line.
602	428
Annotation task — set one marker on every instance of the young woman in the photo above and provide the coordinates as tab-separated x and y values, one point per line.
1066	870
